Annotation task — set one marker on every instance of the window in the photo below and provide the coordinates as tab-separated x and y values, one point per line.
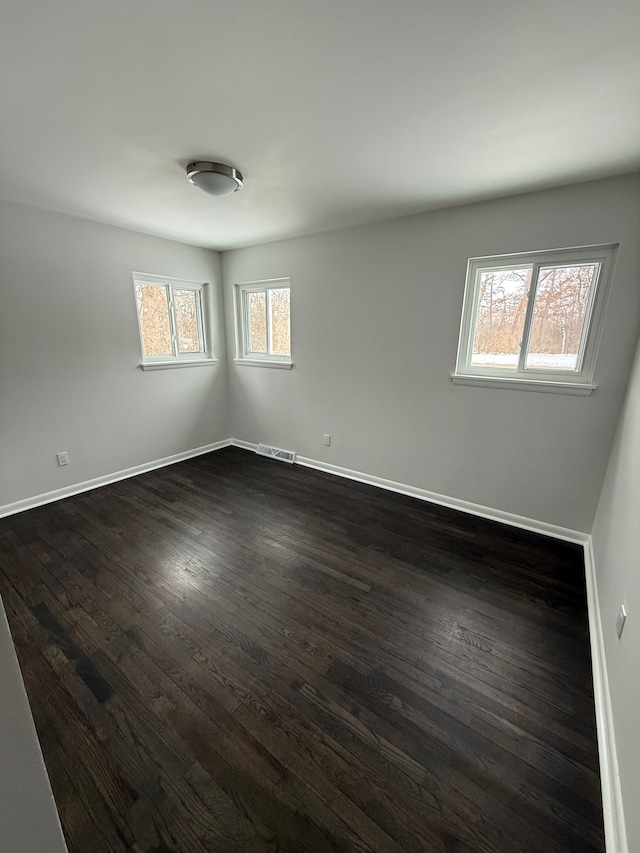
264	323
534	320
173	321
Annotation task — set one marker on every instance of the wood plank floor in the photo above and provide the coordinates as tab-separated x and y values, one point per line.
234	654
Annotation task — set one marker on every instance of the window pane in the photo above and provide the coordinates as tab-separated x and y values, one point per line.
502	305
153	311
559	313
187	309
280	322
257	315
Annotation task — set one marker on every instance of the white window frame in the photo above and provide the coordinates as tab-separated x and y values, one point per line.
244	356
579	381
176	358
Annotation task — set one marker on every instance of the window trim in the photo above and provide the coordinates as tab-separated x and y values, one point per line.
178	359
240	305
538	379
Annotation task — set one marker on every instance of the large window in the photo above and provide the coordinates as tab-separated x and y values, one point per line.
173	320
533	320
263	318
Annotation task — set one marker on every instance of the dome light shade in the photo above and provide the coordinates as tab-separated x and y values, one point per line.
214	178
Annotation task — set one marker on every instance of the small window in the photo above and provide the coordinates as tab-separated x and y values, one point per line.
534	319
173	320
263	315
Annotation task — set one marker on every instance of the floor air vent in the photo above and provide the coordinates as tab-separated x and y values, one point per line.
276	453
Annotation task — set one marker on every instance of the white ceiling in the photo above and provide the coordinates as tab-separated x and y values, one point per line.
338	112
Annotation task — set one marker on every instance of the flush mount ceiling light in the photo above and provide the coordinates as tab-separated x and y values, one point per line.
214	178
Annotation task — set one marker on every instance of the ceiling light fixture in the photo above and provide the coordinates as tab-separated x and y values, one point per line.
214	178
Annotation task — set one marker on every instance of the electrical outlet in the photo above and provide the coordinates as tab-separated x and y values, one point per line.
327	440
622	618
63	458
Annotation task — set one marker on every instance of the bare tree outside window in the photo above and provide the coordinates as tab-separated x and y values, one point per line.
258	322
532	320
561	300
172	319
153	311
559	313
265	320
187	311
502	305
280	323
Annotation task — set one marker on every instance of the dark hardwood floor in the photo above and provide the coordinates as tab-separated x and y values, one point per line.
234	654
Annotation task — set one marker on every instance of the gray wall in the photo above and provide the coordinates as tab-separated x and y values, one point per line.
376	312
69	375
375	320
616	545
28	818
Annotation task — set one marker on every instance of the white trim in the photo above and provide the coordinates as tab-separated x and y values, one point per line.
154	278
259	283
260	362
241	322
578	389
167	365
489	513
604	256
25	791
243	445
612	806
96	482
205	320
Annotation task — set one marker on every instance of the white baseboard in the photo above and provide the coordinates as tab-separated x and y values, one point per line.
245	445
613	812
390	485
502	516
96	482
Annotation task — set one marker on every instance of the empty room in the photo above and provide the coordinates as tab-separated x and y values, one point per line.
319	427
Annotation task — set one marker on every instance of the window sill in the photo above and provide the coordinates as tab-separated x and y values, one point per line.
259	362
169	365
551	387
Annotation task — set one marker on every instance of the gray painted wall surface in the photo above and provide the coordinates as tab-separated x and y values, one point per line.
28	818
376	313
69	380
616	545
69	375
